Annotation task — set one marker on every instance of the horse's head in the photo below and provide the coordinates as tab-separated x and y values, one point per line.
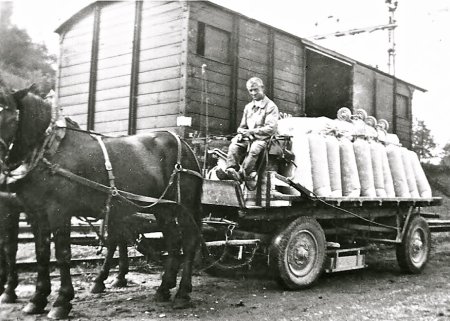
10	103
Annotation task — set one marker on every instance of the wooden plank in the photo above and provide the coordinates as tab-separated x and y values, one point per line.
160	63
158	110
159	74
72	100
113	93
157	42
108	116
287	106
289	96
158	98
114	49
81	26
249	47
116	71
216	125
112	127
216	88
74	89
68	60
113	82
112	104
117	11
258	56
248	65
114	61
159	86
71	110
254	31
290	67
287	39
74	80
212	78
75	70
203	11
195	63
162	28
214	100
287	77
194	106
157	121
287	87
159	8
159	52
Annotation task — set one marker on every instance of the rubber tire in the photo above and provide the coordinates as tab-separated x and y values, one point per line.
279	256
418	226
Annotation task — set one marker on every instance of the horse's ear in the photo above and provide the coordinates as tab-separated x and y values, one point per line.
18	95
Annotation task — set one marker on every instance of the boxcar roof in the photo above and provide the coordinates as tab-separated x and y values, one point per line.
84	11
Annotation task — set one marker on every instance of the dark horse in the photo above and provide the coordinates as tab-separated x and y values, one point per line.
74	173
10	209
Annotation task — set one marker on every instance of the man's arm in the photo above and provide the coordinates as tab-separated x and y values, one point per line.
243	128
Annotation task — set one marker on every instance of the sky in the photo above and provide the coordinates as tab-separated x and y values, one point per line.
422	38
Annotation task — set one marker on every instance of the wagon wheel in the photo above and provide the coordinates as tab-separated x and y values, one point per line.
297	254
413	252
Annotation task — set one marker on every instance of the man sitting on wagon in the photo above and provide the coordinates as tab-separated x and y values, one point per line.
259	122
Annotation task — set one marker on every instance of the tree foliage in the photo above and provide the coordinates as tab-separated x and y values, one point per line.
423	141
22	61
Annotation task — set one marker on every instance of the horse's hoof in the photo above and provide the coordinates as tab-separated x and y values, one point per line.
58	313
32	308
162	296
119	283
182	303
98	287
8	298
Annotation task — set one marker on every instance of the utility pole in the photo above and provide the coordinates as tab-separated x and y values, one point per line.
390	27
392	6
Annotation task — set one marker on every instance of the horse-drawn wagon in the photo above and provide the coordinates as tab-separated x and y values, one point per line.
303	235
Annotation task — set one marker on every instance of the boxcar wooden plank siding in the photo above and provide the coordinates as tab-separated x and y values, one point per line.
156	121
122	58
68	81
159	74
159	109
174	40
158	98
111	104
74	89
160	52
74	70
64	101
74	110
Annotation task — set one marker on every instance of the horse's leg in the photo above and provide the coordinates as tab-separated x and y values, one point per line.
111	245
191	237
169	279
121	280
9	295
41	233
61	233
3	269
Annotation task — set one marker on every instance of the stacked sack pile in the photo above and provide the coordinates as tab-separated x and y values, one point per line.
352	156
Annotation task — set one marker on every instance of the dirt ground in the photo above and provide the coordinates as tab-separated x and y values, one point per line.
380	292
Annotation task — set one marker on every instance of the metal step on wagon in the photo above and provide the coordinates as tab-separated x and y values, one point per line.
301	236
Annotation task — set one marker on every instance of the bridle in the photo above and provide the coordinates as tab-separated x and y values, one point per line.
6	146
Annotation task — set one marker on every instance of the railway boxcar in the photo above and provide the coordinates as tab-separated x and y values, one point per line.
129	67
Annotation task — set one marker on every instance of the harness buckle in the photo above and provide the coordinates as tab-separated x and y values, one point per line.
114	191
